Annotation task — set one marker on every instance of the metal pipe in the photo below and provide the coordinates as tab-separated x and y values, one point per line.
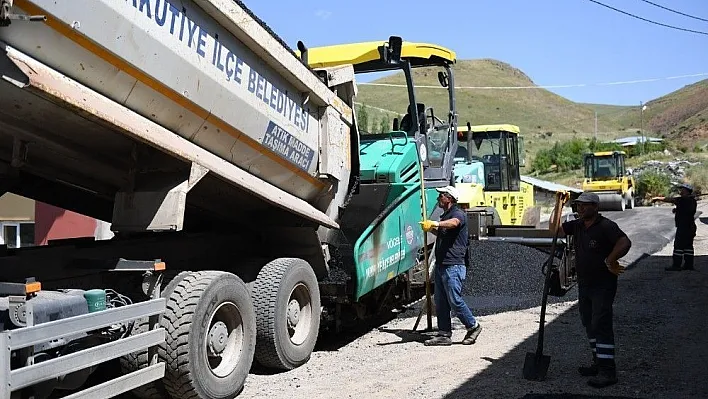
530	242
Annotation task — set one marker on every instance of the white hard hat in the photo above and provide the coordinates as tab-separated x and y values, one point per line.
452	191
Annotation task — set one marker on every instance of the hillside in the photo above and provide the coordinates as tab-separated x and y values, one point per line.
544	117
680	116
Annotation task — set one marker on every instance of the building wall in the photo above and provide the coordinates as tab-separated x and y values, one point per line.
16	221
16	208
52	223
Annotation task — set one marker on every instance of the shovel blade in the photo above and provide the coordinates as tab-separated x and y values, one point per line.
536	366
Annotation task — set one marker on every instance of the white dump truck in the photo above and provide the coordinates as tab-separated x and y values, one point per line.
249	211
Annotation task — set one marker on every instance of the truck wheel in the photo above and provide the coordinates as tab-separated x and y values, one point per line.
210	325
139	360
286	296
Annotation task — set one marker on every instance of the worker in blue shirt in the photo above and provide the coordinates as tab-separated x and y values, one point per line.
450	252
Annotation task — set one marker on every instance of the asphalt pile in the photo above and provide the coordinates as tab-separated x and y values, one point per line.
504	277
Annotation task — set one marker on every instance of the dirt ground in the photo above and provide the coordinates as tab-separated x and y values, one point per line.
660	325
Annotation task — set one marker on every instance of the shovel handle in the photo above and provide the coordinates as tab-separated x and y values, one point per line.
561	198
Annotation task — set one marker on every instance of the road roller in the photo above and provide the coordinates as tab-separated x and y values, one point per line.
607	176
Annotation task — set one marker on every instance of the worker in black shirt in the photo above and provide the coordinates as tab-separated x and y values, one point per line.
599	243
684	217
450	251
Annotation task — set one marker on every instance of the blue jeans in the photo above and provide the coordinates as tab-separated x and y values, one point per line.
448	296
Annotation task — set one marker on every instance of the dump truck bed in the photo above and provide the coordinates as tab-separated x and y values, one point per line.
213	83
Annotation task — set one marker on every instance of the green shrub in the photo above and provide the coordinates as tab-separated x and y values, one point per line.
645	149
542	162
652	184
697	176
566	156
598	146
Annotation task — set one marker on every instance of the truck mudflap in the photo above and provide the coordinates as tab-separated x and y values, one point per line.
27	73
392	242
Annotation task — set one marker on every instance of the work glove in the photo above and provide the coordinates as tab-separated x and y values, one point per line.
428	225
614	267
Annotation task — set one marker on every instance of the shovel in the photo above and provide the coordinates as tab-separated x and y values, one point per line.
536	364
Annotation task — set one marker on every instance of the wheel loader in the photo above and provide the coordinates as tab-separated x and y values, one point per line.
607	176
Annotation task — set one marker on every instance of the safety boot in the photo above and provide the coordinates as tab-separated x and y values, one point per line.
605	377
677	264
591	370
688	262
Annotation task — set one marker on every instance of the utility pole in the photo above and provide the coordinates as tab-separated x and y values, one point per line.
641	125
595	125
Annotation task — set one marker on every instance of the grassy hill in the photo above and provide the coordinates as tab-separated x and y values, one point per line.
680	116
544	117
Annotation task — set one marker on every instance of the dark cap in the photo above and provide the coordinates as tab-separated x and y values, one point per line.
588	197
686	186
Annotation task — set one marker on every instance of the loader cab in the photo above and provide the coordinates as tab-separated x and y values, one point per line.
609	165
433	131
495	149
380	238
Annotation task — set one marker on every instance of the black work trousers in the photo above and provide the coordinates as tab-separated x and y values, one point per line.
595	304
683	246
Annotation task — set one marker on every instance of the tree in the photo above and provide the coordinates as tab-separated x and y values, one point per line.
362	119
385	124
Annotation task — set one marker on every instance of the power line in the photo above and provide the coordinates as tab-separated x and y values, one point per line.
624	82
573	122
378	109
675	11
649	20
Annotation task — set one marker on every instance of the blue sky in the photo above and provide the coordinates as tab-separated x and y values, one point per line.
555	42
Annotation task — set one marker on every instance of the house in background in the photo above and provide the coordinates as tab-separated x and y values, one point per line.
25	222
17	221
634	140
52	223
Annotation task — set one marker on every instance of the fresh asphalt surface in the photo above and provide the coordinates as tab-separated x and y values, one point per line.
507	277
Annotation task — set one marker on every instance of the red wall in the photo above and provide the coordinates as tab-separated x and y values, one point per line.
52	223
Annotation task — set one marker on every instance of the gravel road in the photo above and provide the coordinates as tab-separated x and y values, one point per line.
660	325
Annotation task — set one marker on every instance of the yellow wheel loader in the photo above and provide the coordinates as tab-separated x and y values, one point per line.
606	175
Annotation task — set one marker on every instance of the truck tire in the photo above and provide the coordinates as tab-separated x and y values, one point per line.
139	360
286	296
211	329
